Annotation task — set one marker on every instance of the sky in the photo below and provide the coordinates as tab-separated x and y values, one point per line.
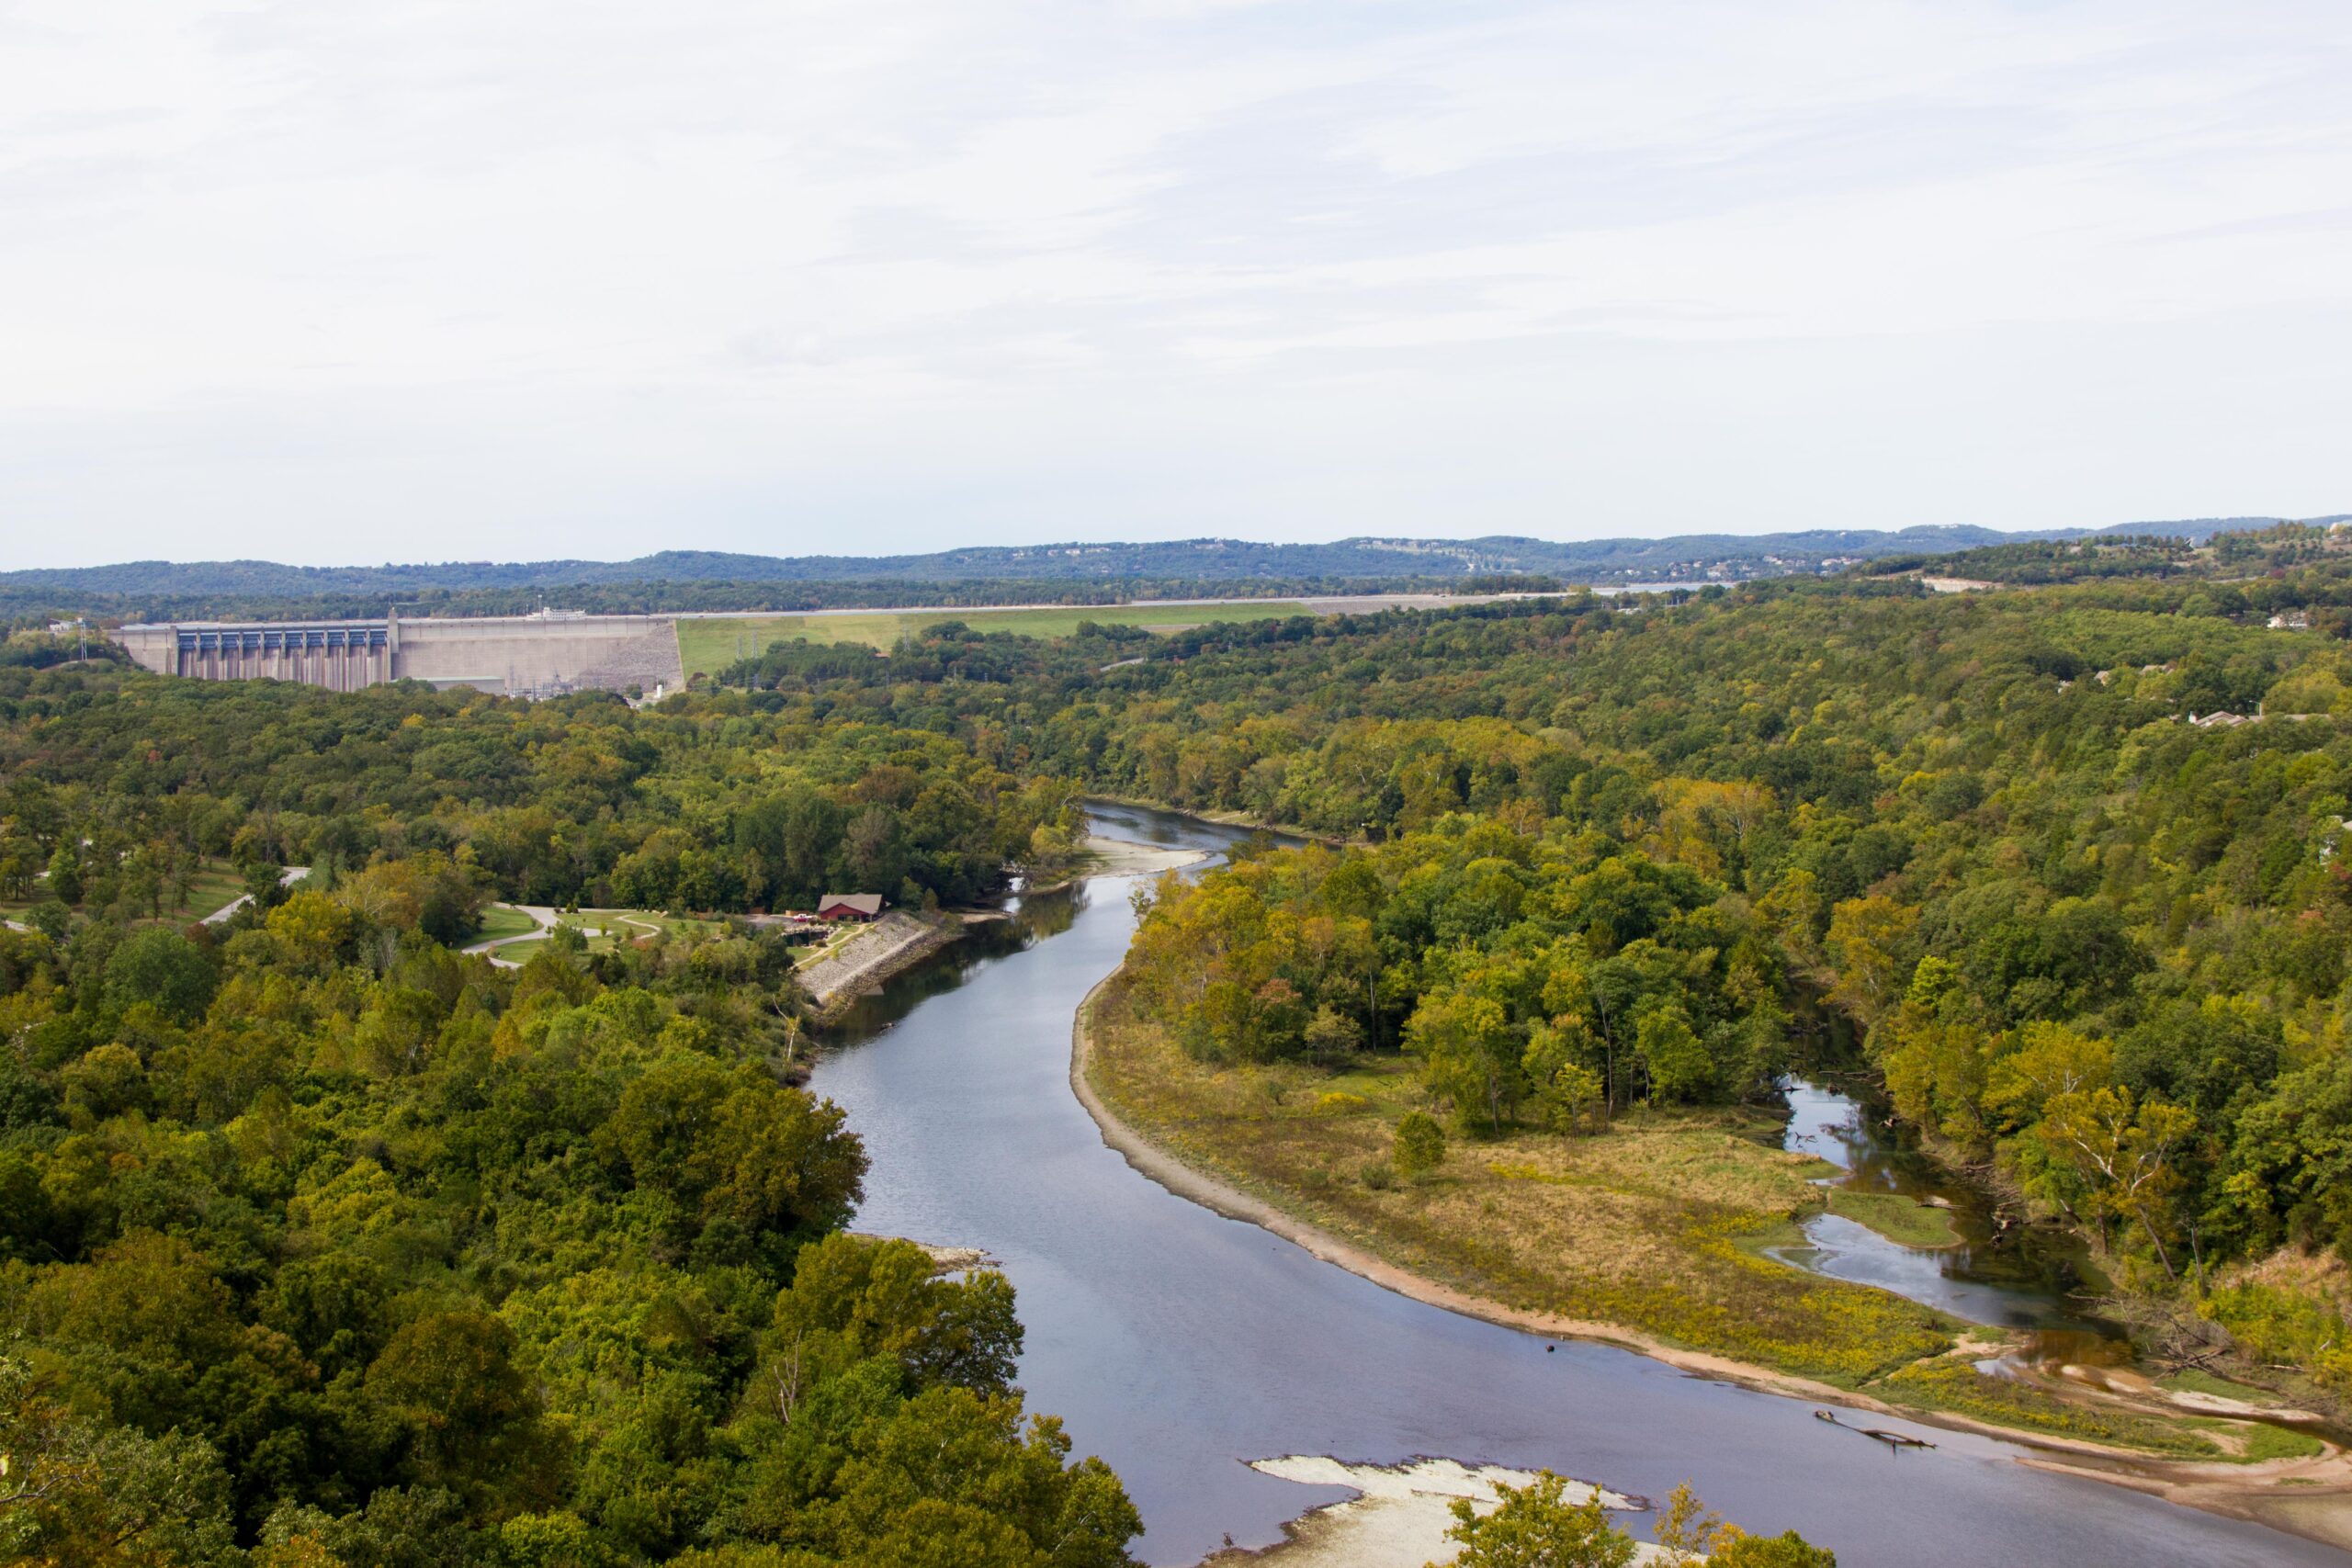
338	281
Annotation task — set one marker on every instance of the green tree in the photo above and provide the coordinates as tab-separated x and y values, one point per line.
852	1297
1420	1145
1871	944
65	874
162	968
1673	1055
471	1415
1537	1527
1469	1055
76	1491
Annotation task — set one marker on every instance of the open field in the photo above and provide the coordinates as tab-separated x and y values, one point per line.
710	645
635	923
513	936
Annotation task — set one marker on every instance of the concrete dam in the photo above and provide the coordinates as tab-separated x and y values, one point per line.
538	655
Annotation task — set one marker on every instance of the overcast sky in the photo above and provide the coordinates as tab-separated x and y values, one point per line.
348	280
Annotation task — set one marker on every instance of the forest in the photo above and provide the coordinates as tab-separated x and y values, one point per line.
323	1244
112	780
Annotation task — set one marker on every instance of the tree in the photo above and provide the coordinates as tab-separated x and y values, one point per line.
1787	1550
1469	1054
740	1146
1673	1055
74	1491
2124	1154
1560	1063
2043	1061
1537	1527
316	927
1331	1035
1420	1145
852	1297
262	884
65	874
471	1414
1690	1532
1870	943
162	968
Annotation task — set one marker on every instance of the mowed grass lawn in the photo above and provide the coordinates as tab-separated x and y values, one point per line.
499	922
711	644
604	927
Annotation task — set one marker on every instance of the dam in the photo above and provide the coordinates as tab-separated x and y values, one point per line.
539	655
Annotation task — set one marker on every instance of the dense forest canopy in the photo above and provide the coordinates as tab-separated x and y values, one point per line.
323	1244
585	800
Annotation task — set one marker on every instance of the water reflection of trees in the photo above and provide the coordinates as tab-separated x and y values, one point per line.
1029	922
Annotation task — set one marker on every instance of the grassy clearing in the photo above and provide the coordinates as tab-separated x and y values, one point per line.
1905	1221
2264	1441
710	645
1651	1226
631	924
2197	1379
606	929
2256	1442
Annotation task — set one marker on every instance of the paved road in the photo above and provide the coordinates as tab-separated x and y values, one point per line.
543	913
286	878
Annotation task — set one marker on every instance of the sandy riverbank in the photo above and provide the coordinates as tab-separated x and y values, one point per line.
1399	1517
2307	1497
1123	857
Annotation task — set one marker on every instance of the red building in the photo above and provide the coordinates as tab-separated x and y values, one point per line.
848	906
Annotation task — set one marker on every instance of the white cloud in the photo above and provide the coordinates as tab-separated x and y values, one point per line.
333	281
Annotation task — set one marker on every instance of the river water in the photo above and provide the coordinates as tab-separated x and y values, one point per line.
2003	1273
1180	1345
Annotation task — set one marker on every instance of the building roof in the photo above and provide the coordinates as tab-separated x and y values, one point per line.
864	903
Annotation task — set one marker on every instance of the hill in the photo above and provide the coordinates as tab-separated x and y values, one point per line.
1206	561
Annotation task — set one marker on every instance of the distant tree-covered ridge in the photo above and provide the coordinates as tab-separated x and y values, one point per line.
689	580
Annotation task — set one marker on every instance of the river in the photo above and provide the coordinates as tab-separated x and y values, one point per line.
1180	1345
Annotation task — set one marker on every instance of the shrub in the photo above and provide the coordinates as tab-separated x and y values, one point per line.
1420	1143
